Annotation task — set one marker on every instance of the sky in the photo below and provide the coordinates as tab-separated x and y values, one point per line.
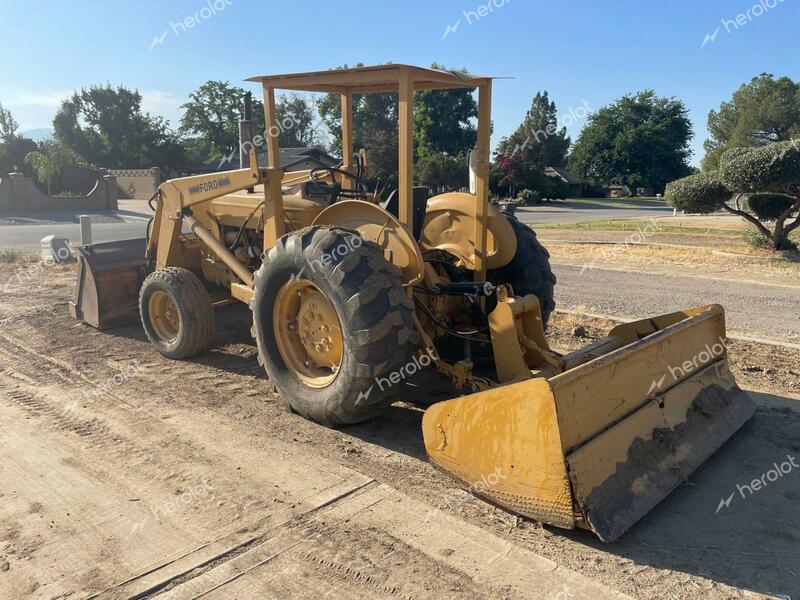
585	53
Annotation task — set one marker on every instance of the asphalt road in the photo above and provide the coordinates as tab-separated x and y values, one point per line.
752	309
27	237
568	211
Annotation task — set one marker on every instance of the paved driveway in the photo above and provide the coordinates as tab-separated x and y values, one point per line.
572	211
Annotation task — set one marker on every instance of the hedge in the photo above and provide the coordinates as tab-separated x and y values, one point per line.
702	193
773	168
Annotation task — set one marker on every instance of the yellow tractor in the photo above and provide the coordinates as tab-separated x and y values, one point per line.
353	292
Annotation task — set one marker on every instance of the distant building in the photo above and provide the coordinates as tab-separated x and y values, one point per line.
616	190
576	185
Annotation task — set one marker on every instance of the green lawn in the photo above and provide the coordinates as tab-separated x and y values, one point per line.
631	225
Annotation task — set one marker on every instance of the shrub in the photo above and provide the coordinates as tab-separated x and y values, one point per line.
769	207
9	255
773	168
703	193
528	197
756	240
555	189
770	175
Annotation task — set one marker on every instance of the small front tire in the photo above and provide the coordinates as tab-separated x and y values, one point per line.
176	313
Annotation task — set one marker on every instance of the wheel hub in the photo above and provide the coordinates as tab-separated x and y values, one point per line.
321	340
308	333
164	315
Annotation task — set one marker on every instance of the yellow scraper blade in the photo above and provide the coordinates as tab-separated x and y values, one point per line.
599	445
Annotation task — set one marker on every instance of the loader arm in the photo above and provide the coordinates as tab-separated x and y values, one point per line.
176	195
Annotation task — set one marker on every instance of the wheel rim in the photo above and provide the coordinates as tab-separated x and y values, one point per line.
308	333
164	315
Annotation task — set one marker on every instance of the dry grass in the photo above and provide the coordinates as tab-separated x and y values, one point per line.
11	255
755	366
700	261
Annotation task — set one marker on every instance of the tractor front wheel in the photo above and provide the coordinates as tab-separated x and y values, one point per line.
176	312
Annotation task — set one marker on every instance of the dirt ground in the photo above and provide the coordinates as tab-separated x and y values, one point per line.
127	452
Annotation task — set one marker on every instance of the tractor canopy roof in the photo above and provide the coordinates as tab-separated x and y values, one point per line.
378	78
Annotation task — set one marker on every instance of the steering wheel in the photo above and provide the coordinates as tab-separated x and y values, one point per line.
358	192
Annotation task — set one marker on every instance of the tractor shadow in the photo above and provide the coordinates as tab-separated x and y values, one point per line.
232	350
400	428
750	544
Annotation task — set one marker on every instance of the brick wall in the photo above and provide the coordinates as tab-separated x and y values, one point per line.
137	183
19	193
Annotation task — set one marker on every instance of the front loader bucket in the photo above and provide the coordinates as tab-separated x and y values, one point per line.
109	277
601	443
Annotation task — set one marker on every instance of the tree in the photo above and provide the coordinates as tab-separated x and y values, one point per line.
105	126
763	111
13	148
538	136
519	172
640	140
296	128
8	125
374	128
767	177
49	160
442	172
211	119
536	144
444	134
444	119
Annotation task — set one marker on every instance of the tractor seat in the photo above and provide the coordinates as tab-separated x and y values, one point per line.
419	207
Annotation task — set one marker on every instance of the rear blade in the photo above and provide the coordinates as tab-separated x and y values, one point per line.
109	277
621	474
600	444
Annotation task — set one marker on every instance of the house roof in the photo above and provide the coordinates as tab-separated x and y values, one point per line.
377	78
565	175
292	159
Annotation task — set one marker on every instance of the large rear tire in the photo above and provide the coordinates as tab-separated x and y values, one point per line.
176	312
529	272
332	323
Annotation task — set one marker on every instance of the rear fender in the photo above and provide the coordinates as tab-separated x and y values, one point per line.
450	225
